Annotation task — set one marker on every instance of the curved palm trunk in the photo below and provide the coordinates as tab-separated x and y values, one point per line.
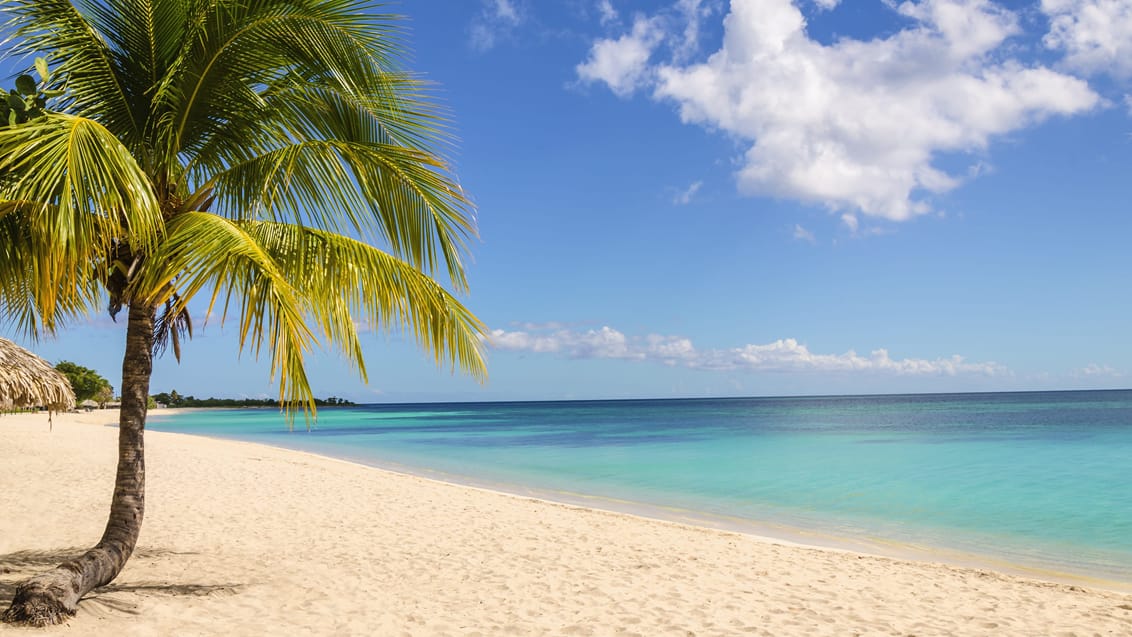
53	597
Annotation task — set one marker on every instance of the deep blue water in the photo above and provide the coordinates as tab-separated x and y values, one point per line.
1039	479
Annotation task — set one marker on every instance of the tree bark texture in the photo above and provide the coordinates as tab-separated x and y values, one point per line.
53	597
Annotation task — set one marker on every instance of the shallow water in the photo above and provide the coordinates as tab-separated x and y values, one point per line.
1036	479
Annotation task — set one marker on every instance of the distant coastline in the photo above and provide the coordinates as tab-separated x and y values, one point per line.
173	400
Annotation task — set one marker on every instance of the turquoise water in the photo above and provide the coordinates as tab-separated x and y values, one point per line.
1036	479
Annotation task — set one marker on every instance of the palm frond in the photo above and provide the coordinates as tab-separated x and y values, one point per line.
81	56
345	283
240	47
277	278
292	120
145	39
74	193
171	325
383	192
78	166
25	275
203	251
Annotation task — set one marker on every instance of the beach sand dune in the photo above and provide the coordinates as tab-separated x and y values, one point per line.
241	539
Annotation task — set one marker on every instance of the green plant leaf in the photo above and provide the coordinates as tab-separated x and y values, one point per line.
25	84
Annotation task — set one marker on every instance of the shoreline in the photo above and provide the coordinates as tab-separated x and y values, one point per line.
769	532
241	537
782	532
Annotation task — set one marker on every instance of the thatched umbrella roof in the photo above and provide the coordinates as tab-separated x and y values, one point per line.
27	380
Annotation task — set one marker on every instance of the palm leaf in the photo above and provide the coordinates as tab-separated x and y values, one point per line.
290	119
344	282
81	56
24	277
73	193
206	251
384	192
279	276
239	46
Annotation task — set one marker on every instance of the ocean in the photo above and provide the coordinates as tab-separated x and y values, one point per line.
1037	481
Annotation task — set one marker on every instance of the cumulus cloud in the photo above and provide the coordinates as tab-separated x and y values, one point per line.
603	343
622	64
1094	35
783	355
790	355
854	125
498	19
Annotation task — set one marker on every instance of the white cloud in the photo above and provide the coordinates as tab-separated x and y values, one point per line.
685	197
1093	370
783	355
669	349
525	342
603	343
855	125
802	234
504	10
968	27
692	13
606	13
1095	35
789	355
622	64
496	20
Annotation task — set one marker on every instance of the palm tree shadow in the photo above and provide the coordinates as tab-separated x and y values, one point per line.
123	598
18	566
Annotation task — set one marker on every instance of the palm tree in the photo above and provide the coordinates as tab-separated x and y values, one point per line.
270	153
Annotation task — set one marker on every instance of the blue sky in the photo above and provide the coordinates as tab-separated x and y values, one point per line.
762	197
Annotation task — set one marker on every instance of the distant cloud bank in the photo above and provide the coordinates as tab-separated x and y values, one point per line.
858	126
783	355
1094	370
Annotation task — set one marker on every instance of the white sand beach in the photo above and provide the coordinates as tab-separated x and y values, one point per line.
241	539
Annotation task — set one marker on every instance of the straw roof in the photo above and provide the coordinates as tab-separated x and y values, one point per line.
27	380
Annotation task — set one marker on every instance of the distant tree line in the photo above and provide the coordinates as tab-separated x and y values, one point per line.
86	383
174	399
89	385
